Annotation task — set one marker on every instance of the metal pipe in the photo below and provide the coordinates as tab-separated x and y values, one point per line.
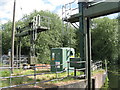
89	53
35	75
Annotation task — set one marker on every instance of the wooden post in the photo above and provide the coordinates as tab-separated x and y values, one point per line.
93	84
17	52
75	71
13	37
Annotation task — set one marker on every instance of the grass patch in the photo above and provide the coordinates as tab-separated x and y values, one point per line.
54	76
18	80
63	80
4	83
4	73
1	64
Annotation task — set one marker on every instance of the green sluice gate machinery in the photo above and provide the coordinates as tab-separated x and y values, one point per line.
60	57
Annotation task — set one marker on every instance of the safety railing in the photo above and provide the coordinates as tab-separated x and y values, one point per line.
72	8
41	21
6	63
69	9
76	69
35	73
97	65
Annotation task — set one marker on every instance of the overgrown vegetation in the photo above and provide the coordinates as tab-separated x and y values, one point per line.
106	85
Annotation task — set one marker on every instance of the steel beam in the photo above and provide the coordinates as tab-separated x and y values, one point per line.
102	9
29	32
97	10
81	29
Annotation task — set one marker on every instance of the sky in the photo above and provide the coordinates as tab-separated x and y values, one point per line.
27	6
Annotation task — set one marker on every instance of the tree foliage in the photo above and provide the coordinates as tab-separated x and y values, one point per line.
104	39
6	37
52	38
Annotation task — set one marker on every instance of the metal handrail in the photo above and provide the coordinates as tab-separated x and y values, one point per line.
35	74
77	62
96	65
29	75
66	12
79	69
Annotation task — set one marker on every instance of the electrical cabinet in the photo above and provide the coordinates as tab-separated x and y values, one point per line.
60	56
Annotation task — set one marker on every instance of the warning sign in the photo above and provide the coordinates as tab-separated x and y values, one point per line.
57	63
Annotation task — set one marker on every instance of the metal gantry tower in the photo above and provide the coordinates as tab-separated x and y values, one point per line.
88	11
35	26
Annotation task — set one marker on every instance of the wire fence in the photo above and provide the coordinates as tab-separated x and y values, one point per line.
35	74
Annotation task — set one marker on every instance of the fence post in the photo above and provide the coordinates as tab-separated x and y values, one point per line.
56	71
10	76
93	84
101	65
68	63
106	65
74	71
35	75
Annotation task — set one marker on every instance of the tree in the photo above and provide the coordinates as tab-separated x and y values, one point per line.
104	39
52	38
6	37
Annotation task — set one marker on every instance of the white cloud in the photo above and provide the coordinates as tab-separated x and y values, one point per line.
6	10
6	7
60	2
30	5
27	6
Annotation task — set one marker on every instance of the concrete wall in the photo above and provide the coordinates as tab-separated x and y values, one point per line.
99	79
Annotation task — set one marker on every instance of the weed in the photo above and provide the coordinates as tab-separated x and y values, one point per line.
4	73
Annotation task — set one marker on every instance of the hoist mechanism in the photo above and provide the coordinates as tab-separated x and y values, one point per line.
37	25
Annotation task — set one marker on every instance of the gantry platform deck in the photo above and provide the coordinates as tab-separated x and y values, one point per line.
29	32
